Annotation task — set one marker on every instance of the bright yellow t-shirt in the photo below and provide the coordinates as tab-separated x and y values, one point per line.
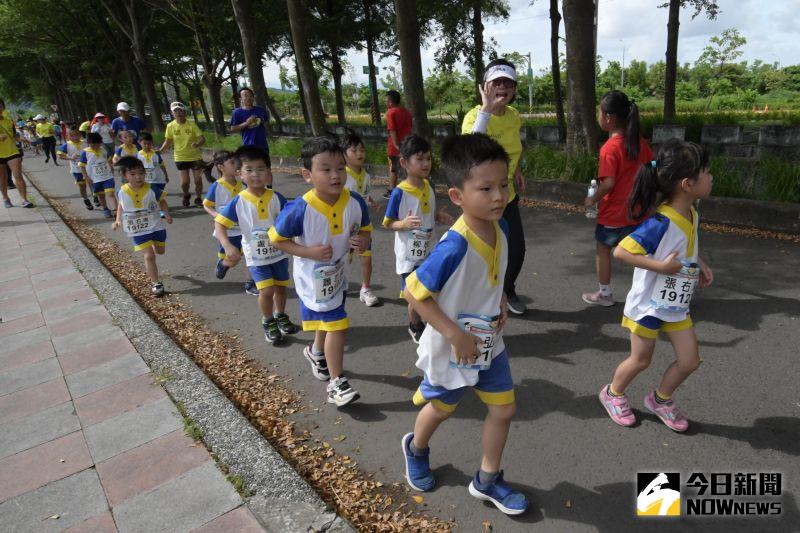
45	129
505	130
7	146
182	137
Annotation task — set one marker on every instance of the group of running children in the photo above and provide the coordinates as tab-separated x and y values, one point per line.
454	288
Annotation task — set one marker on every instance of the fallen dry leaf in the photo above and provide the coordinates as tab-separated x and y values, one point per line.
418	499
568	504
487	526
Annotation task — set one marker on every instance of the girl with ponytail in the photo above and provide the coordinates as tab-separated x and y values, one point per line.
620	158
663	250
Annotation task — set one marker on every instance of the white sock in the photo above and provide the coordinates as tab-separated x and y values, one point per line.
315	351
605	290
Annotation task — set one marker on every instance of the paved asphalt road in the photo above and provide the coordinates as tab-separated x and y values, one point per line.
578	468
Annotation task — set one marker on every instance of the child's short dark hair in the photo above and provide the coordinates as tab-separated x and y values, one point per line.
350	138
221	156
145	136
461	153
414	144
251	153
94	138
393	96
128	162
319	145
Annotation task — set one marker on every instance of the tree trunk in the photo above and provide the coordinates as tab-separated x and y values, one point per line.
135	83
235	90
300	96
555	69
190	103
164	97
156	120
215	95
273	111
671	74
581	118
411	63
243	12
337	86
375	106
308	78
477	37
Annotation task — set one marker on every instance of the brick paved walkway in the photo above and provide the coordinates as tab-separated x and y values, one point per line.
88	441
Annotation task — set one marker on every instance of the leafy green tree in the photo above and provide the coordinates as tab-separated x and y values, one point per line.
720	56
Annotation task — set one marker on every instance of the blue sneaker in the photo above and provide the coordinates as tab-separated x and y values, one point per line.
220	270
508	500
418	468
250	287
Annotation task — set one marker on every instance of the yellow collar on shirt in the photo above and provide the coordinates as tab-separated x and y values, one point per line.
358	177
688	227
233	189
97	153
333	213
491	255
423	194
137	197
261	202
129	151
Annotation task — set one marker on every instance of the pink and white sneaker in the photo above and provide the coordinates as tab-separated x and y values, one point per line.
668	412
618	407
596	298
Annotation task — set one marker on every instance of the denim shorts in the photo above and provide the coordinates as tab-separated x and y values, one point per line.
612	236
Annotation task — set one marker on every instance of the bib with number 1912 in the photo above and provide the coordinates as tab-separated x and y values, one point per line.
328	281
418	242
673	292
138	222
485	328
262	252
149	174
102	171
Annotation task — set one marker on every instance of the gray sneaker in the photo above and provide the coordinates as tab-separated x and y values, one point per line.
515	305
595	298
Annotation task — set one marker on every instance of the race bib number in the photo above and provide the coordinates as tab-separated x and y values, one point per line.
673	292
138	223
485	328
262	252
149	175
418	243
102	171
328	281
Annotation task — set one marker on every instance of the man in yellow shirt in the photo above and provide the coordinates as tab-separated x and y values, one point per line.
47	133
187	139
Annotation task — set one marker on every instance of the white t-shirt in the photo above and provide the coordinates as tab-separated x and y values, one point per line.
105	132
152	166
255	217
143	201
96	163
358	182
465	276
411	247
219	194
665	232
70	149
311	222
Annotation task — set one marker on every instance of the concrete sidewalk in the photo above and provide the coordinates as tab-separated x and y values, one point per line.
88	440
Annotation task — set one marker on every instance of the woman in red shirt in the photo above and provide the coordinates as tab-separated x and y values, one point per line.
620	159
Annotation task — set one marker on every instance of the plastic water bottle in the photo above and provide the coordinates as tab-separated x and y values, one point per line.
591	212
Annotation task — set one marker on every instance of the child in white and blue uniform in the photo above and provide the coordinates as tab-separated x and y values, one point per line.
458	290
95	164
71	151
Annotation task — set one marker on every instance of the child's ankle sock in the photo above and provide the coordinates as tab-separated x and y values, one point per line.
605	290
615	394
418	452
315	351
485	477
661	398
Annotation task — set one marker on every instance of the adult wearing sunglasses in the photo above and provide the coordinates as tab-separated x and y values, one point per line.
499	120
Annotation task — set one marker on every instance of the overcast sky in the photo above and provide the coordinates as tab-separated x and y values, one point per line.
770	26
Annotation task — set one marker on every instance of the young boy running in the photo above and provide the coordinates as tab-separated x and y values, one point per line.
319	229
127	147
411	214
154	167
71	151
458	290
219	194
358	180
254	211
138	214
95	164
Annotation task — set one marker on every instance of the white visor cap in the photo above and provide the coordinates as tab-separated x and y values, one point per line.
500	71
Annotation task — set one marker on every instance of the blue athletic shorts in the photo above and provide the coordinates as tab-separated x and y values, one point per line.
403	280
157	189
78	177
612	236
649	326
494	387
157	238
269	275
333	320
106	186
236	240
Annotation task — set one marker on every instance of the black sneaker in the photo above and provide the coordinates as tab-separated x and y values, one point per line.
95	201
340	392
157	289
198	202
27	205
415	330
187	200
515	305
271	331
285	325
88	204
220	270
250	287
387	194
319	366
